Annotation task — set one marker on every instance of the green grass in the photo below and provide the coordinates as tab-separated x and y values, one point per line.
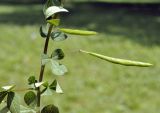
92	85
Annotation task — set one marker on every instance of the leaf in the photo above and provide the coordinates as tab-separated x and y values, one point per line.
50	109
4	110
47	91
58	36
53	10
13	103
30	99
78	32
58	69
8	88
55	86
24	109
32	80
38	84
118	61
44	59
58	88
43	31
45	84
2	95
54	22
57	54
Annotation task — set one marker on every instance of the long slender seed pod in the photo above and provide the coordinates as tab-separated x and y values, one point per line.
118	61
78	32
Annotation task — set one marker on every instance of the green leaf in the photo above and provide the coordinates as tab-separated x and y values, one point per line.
2	95
58	69
24	109
8	88
44	59
78	32
58	36
118	61
57	54
38	84
47	91
13	103
50	109
30	99
43	31
4	110
32	80
53	10
55	86
45	84
54	22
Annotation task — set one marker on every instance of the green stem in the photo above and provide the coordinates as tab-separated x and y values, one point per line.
43	67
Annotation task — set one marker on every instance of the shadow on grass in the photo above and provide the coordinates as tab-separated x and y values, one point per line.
22	15
140	25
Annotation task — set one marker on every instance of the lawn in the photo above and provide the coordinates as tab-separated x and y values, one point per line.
92	85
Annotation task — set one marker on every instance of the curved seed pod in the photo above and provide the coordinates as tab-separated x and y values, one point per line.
118	61
78	32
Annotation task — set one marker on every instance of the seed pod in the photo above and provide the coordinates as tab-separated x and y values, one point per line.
78	32
118	61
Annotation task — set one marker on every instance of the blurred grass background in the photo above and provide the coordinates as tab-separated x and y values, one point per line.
113	1
92	85
119	1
